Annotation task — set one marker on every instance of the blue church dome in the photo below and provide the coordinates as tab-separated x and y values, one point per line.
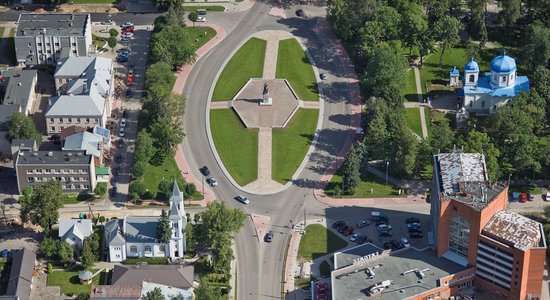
471	66
503	64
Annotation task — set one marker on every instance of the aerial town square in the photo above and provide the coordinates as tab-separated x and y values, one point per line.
274	149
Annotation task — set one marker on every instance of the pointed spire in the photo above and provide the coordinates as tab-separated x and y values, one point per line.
504	53
176	189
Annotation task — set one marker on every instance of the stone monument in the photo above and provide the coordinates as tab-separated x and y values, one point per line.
266	99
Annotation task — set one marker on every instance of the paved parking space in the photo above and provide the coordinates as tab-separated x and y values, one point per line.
396	215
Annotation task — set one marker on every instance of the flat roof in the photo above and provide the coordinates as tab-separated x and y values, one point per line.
53	158
52	24
347	257
398	267
463	177
514	229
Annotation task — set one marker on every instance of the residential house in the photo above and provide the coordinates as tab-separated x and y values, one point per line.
20	280
18	88
136	292
84	85
47	38
178	276
74	231
135	236
74	170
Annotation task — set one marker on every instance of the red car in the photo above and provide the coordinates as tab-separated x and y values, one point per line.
349	231
523	198
127	29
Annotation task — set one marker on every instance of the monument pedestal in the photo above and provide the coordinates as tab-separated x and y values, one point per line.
266	101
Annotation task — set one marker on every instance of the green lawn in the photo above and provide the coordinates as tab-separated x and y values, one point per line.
69	282
363	190
202	34
290	144
410	89
236	145
77	198
191	8
319	241
246	63
148	260
168	170
413	120
294	66
98	41
432	73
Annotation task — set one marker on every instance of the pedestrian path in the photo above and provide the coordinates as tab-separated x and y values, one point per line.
420	100
270	60
309	104
220	104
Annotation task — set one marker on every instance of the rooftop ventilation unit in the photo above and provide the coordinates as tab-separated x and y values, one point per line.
35	154
50	153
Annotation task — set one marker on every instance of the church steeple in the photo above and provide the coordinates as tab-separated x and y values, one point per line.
176	203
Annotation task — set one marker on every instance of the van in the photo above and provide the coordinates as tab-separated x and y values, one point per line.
377	216
201	12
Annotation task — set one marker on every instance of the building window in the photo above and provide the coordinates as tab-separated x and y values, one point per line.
147	248
70	120
78	120
39	44
73	44
30	171
51	120
68	186
39	51
483	103
30	51
74	51
56	44
86	187
48	44
96	120
512	77
58	178
56	171
472	78
60	120
87	120
30	179
133	249
47	171
503	79
459	235
38	171
53	128
29	44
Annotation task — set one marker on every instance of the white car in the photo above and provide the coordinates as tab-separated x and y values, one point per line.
201	19
107	22
547	197
127	24
384	227
405	242
121	133
213	181
354	237
123	122
127	35
362	223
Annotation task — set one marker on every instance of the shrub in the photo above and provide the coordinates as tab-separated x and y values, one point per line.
137	187
101	189
113	32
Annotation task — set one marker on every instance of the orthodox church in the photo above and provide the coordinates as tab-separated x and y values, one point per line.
484	94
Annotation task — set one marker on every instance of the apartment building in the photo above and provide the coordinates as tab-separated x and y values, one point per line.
46	38
74	170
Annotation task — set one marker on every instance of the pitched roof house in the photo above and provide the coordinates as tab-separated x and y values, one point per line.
20	280
74	231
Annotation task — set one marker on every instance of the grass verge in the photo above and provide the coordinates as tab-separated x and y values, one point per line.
148	260
77	198
191	8
69	282
236	145
290	144
413	120
319	241
294	66
168	170
410	89
532	189
368	183
246	63
200	35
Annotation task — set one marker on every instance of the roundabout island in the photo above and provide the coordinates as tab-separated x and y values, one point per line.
263	132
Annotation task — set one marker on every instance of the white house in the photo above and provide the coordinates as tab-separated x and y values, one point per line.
135	236
485	94
74	231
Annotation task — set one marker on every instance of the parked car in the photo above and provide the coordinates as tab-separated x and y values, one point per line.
121	59
128	93
127	24
354	237
415	234
341	229
212	181
205	171
269	236
412	220
523	198
300	12
323	76
121	132
120	143
385	233
515	196
387	246
123	122
242	199
119	158
396	244
384	227
405	242
381	222
127	29
107	22
341	226
361	240
125	49
413	225
547	197
362	223
531	197
125	114
338	224
201	19
113	191
127	35
348	231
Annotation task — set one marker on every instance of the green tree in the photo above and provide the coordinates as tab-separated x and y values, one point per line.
102	219
412	24
176	13
142	154
193	17
166	136
384	73
510	13
536	47
480	142
190	240
83	296
22	127
173	45
90	249
351	170
48	247
101	189
221	259
447	33
165	188
219	224
205	291
155	294
42	205
164	231
159	74
113	32
402	156
338	14
189	190
137	187
477	22
425	44
64	251
443	137
49	268
112	42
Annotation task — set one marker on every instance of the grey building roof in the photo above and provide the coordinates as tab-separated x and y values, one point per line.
18	89
91	105
175	199
20	279
82	228
346	257
141	229
113	235
89	73
52	24
45	158
24	143
84	141
178	276
398	267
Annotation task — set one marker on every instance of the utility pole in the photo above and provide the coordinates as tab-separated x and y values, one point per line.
509	175
387	165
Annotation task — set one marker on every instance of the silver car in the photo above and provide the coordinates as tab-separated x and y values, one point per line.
242	199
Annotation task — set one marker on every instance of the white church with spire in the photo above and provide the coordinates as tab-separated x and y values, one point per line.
484	94
136	236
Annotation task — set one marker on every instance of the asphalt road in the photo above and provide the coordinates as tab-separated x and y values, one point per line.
260	265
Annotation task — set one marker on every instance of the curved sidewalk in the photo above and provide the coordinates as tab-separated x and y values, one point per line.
181	78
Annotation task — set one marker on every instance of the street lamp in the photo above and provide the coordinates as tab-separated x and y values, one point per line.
387	165
509	175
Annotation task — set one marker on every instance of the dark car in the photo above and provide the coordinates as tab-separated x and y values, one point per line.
300	12
119	158
387	246
120	143
269	236
205	171
385	233
412	220
415	234
128	93
125	114
361	240
397	244
113	191
125	49
122	59
323	76
342	228
415	229
349	231
338	224
380	222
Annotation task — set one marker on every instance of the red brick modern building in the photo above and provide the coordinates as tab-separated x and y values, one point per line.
471	226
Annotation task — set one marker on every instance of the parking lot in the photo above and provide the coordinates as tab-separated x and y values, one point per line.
396	216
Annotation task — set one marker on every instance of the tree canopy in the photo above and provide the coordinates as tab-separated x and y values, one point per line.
164	230
22	127
40	204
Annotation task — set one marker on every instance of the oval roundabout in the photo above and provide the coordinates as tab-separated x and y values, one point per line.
264	112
